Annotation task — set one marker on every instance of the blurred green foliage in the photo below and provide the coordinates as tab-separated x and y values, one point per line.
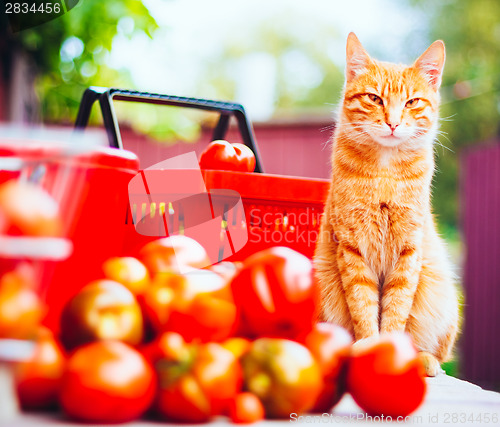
305	76
71	52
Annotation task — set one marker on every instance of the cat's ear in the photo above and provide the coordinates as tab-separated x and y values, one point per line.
431	63
357	58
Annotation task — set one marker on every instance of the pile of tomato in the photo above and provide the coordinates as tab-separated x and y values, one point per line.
239	340
161	336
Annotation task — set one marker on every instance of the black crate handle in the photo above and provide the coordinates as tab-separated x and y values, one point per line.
105	97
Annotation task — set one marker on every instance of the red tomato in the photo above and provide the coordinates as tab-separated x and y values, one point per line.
158	298
246	408
208	317
283	374
102	310
331	346
171	253
169	346
21	309
245	156
128	271
220	375
276	294
387	377
221	155
29	210
38	379
195	381
107	382
198	305
183	402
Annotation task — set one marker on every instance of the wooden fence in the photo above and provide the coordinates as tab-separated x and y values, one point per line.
480	209
292	148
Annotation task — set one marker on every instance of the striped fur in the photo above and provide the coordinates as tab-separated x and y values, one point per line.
379	261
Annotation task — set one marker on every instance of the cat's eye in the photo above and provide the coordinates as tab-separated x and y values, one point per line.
375	98
412	102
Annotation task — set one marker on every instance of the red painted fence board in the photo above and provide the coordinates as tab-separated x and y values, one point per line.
480	207
297	149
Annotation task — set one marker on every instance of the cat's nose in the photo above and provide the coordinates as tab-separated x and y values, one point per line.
392	126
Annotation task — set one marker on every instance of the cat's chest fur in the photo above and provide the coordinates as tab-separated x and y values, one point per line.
380	214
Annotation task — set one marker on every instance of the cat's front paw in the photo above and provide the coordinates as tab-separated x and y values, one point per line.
432	366
363	343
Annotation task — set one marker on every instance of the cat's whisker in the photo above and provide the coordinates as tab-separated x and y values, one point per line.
326	144
438	142
447	119
443	134
327	128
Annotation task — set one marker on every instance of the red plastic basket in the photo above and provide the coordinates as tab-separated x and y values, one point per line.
279	210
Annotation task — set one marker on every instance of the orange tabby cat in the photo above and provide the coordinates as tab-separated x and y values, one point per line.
379	261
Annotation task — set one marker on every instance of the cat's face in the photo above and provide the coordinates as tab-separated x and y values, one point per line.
392	105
